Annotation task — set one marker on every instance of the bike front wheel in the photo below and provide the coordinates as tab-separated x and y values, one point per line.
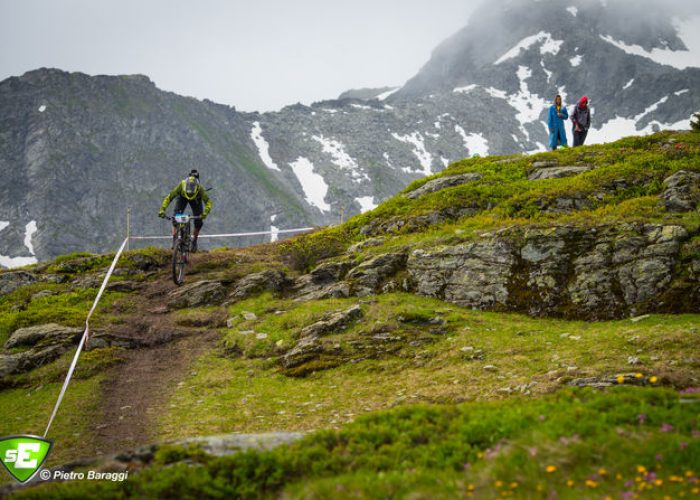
179	263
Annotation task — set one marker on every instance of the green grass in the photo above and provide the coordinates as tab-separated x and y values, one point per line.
26	410
240	386
68	308
577	443
419	397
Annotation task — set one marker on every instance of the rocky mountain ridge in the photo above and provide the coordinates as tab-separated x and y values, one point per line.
81	149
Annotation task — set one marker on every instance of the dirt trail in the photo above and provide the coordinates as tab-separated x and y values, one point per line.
135	391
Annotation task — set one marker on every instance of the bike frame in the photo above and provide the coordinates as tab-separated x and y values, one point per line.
182	246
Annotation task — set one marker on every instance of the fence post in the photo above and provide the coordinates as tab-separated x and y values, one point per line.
128	227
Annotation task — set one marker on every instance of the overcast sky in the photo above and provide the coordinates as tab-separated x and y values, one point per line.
252	54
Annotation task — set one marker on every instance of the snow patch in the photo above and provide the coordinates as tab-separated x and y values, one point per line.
29	231
679	59
619	127
444	161
315	188
465	89
388	160
263	147
437	125
361	106
475	143
42	108
628	84
549	46
424	157
572	10
366	203
432	135
681	92
386	94
12	262
549	73
576	60
529	106
499	94
340	158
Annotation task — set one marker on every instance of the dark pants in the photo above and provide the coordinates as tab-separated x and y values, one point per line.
197	209
580	137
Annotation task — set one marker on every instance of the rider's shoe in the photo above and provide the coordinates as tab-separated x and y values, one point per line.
193	246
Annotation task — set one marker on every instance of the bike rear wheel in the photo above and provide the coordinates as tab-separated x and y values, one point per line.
179	263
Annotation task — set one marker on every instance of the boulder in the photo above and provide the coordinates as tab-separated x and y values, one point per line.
443	183
305	350
472	275
681	191
596	273
9	282
334	323
329	272
332	291
557	172
24	361
270	280
367	277
196	294
50	333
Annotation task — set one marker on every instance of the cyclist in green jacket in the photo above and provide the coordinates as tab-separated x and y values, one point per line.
189	191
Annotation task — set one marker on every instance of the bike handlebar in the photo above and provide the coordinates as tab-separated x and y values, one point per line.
191	217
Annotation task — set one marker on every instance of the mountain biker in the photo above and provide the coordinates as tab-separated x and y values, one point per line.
189	190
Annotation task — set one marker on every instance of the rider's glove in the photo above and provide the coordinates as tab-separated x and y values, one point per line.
161	214
204	216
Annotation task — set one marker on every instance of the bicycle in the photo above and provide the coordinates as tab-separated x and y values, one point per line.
182	245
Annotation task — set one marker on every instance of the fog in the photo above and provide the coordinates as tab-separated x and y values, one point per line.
253	55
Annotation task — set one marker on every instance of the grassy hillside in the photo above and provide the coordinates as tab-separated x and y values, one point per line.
411	395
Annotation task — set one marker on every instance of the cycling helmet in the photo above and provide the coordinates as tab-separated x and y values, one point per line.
194	173
190	187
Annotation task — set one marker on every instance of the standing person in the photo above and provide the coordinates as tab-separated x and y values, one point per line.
581	116
555	122
189	191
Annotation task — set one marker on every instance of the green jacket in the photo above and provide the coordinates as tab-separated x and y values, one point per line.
200	195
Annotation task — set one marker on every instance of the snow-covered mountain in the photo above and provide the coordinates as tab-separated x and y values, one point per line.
81	149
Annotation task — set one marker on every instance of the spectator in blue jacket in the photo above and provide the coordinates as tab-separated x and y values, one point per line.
555	122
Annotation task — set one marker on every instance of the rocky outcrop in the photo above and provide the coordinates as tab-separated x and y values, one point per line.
368	277
310	345
270	280
681	191
9	282
49	333
443	183
323	282
197	294
556	172
46	342
333	323
595	273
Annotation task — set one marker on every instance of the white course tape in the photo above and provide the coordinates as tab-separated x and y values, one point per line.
86	333
229	235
